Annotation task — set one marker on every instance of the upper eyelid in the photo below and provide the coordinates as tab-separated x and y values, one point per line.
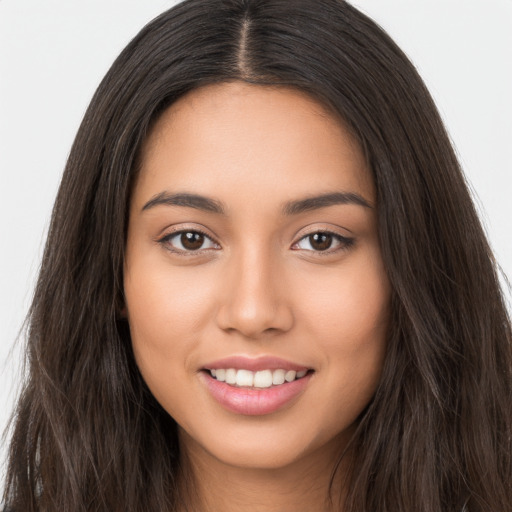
170	232
331	231
341	238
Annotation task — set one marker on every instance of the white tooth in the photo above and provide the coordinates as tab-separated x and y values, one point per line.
301	374
290	375
220	375
231	376
213	373
278	377
244	378
263	379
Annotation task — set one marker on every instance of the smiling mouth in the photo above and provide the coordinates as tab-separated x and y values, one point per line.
271	385
261	379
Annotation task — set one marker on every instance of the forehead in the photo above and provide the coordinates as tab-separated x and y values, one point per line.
276	143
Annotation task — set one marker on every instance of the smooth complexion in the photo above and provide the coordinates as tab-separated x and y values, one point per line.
255	268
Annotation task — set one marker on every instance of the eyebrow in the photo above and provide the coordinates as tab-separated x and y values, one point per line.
184	199
210	205
324	200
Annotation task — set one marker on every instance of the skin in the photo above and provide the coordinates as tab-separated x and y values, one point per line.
258	287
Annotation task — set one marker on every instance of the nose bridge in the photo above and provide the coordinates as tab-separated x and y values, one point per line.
253	303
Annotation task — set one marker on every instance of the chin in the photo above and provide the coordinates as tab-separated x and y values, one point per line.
268	447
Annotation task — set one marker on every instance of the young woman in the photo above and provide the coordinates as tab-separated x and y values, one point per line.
265	286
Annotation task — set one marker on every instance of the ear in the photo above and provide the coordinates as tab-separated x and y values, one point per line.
121	309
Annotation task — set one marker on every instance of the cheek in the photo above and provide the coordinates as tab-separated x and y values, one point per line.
350	309
166	311
348	318
161	300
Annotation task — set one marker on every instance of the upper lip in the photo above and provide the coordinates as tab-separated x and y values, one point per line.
255	363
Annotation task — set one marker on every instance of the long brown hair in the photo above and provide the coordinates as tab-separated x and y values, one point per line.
437	436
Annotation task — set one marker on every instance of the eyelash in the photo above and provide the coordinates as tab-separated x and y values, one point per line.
345	243
166	241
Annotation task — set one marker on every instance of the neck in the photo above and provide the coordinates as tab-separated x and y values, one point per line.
209	485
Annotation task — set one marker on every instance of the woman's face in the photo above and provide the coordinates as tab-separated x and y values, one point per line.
253	255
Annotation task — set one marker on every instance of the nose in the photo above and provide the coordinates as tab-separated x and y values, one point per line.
254	302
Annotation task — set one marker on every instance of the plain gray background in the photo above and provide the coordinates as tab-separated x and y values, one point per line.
53	55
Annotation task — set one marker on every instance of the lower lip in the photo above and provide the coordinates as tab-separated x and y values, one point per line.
255	402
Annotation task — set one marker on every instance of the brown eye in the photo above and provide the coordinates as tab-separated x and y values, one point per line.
320	241
188	241
323	241
192	240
